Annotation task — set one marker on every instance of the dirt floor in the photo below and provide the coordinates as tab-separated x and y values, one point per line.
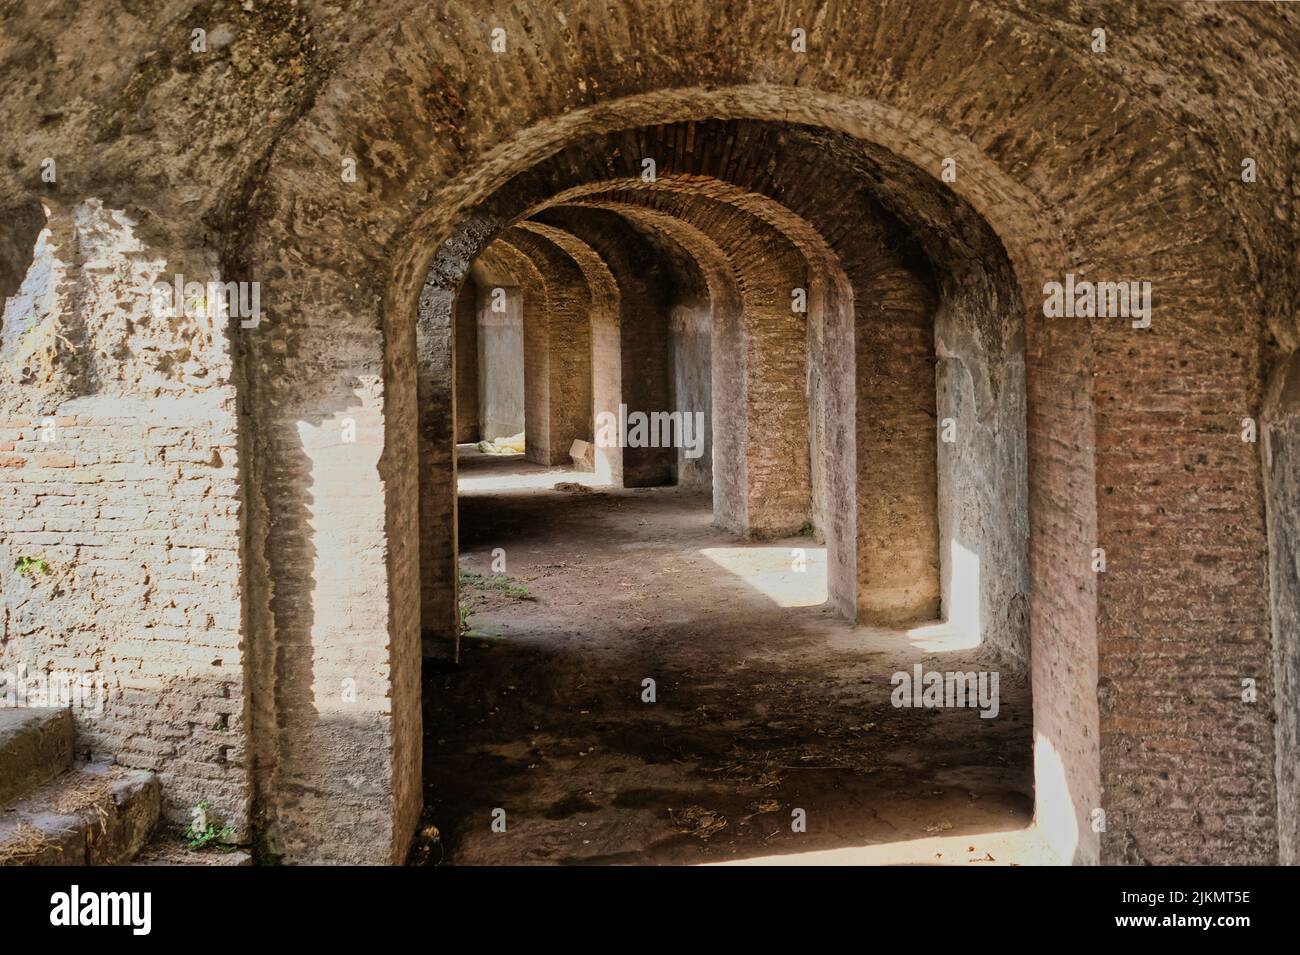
765	703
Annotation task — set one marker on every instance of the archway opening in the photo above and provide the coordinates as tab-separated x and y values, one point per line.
853	514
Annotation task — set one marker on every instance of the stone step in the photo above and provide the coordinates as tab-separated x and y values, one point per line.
171	850
93	814
35	746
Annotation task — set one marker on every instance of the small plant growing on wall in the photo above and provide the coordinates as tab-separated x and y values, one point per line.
31	566
203	833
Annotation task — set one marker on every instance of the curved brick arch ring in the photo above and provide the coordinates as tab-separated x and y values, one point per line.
1027	239
419	204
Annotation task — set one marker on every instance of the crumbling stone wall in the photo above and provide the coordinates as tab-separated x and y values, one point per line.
120	505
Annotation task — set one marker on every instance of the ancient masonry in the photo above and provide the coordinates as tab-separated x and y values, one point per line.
254	258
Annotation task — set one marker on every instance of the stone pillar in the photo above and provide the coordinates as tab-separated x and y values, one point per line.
563	347
643	330
436	356
897	498
466	348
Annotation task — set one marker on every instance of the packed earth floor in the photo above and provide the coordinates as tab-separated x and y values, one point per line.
765	702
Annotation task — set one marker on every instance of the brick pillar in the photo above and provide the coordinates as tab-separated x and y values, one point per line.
896	452
466	348
436	351
1281	447
565	347
643	329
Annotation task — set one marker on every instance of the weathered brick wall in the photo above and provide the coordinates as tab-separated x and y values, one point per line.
643	328
120	489
565	351
1183	608
1281	451
135	507
466	322
1063	609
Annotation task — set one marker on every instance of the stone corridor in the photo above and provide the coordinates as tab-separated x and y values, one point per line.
990	308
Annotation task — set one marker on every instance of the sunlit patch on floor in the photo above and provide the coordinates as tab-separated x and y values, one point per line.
789	576
1013	847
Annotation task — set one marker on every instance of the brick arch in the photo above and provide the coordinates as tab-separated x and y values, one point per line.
891	589
759	367
761	292
883	551
752	268
1040	130
737	217
606	369
555	299
713	269
481	225
979	330
763	265
870	80
559	341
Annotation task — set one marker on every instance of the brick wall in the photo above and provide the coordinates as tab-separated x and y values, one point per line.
467	413
126	509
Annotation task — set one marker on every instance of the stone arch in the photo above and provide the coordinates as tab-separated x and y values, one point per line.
922	121
483	226
606	367
444	122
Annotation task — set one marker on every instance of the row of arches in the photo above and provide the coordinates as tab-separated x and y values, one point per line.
787	388
1023	209
1122	164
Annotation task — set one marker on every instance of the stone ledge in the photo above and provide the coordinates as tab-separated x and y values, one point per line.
95	814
